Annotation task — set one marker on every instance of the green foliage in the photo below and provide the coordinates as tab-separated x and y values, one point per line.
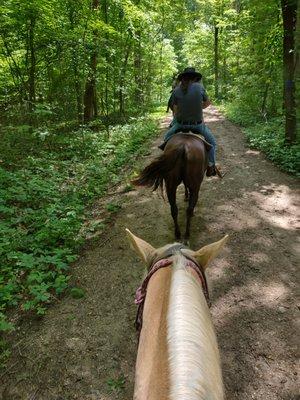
111	207
77	293
249	56
269	137
4	353
128	188
117	384
46	50
242	116
243	69
44	195
5	326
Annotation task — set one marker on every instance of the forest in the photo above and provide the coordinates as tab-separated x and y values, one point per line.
83	84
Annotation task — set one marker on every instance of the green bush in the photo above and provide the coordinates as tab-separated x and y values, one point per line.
44	192
269	137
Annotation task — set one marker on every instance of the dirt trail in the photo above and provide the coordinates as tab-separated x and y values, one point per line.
85	349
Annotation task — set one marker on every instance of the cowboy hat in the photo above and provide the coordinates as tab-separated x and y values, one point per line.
189	71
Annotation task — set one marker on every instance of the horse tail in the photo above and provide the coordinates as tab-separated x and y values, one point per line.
154	174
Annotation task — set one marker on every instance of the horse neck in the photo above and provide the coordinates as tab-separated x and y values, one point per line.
152	372
178	355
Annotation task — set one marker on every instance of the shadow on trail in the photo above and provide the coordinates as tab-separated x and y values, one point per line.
253	297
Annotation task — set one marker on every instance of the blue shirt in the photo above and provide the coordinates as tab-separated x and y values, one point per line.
189	104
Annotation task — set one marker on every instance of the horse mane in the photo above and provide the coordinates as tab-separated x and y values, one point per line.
194	363
153	175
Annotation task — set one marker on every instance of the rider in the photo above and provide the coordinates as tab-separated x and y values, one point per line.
187	102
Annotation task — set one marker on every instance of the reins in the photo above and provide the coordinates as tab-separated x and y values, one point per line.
161	262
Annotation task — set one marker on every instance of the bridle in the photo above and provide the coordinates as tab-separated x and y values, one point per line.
162	261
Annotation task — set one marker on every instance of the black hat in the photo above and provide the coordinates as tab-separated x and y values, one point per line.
189	71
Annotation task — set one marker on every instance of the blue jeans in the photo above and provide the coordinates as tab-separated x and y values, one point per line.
203	130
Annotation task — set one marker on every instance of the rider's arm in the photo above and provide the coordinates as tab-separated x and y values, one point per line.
170	102
205	100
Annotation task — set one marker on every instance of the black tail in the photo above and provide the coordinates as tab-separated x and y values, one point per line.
154	174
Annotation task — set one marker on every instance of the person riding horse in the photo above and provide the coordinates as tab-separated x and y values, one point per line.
187	102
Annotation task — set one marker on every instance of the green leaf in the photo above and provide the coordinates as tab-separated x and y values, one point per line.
77	293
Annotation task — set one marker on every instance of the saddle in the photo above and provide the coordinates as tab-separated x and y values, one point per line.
207	145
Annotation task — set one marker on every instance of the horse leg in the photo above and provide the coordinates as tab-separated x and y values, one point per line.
171	193
190	211
186	193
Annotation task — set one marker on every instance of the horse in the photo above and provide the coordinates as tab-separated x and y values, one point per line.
178	356
184	160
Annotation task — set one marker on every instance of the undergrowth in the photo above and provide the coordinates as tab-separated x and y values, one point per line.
267	136
47	180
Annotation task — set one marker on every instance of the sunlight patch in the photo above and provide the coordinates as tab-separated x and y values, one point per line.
273	294
278	205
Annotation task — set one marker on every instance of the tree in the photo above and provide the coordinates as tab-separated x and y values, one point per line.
289	16
90	94
297	72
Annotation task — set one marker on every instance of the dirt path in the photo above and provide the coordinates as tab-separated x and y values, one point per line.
85	349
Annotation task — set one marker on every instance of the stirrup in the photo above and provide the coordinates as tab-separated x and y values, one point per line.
219	173
214	172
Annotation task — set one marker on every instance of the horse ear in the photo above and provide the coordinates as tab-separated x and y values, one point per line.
207	253
142	248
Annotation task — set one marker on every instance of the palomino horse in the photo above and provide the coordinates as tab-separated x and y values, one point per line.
184	160
178	357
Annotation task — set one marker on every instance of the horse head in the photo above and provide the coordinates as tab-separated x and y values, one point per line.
178	356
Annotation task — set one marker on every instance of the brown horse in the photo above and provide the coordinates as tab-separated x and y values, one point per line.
184	160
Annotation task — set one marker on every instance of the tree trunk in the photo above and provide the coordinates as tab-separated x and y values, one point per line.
216	62
32	67
138	96
289	15
78	92
90	93
122	80
264	101
107	58
297	73
76	77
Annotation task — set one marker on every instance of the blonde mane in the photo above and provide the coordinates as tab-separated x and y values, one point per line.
194	362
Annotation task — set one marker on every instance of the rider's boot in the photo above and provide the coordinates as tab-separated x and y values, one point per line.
211	171
162	146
